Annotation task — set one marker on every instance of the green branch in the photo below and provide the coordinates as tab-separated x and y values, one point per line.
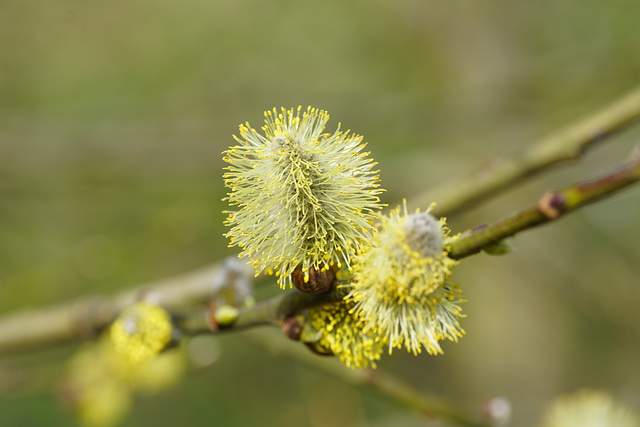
551	206
86	317
565	145
269	312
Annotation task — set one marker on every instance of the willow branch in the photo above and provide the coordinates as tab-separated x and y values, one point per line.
86	317
565	145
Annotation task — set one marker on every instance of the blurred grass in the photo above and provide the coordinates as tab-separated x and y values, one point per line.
113	116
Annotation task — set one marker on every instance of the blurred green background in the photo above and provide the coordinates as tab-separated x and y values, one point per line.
113	117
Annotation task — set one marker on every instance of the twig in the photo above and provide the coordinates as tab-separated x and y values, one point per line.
270	312
551	206
382	383
566	145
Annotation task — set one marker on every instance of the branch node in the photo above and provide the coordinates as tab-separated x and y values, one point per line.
552	205
292	328
314	281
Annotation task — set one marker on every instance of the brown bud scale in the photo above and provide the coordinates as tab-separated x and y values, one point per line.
320	281
291	328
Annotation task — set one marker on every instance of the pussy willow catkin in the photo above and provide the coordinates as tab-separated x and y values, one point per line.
304	197
401	288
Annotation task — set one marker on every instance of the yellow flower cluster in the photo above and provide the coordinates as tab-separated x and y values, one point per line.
141	331
305	197
101	398
401	289
400	294
340	331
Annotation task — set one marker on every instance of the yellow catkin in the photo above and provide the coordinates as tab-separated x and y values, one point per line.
340	331
304	197
401	289
141	331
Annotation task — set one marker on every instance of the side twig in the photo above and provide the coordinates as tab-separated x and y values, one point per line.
551	206
566	145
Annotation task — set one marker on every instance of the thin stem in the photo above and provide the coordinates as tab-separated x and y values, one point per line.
565	145
381	382
270	312
551	206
